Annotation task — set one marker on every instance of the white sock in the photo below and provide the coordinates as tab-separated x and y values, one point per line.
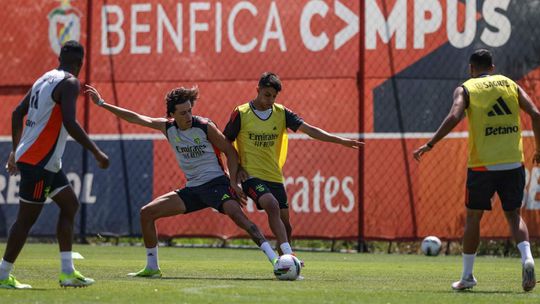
286	248
525	250
152	258
270	253
67	262
468	263
5	269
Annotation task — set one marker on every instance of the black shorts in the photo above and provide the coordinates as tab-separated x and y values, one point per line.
211	194
255	188
37	183
482	185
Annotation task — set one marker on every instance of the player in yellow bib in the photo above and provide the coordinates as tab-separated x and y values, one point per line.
259	132
495	161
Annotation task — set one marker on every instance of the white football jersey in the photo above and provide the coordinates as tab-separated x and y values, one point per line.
196	156
44	136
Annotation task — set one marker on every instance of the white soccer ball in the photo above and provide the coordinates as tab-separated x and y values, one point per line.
431	246
287	267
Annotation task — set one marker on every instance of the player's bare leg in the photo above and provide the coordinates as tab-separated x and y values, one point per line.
68	203
521	236
268	202
471	239
166	205
284	214
471	235
233	210
26	217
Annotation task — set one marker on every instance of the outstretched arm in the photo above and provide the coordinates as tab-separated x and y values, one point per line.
218	139
450	122
527	105
322	135
125	114
66	94
17	118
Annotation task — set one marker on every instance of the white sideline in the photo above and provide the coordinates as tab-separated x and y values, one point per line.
292	136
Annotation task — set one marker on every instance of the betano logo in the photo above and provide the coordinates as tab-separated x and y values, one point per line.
502	110
64	25
501	130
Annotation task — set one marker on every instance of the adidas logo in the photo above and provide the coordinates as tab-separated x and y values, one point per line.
500	108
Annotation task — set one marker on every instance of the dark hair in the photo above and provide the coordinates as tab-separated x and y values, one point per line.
179	96
270	80
481	58
71	52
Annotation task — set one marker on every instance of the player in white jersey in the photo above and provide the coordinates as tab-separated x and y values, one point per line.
197	143
50	110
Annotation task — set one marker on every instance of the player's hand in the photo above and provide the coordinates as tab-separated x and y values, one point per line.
239	193
352	143
238	190
241	175
11	165
420	151
102	159
536	158
93	93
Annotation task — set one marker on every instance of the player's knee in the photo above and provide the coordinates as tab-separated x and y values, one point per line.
513	215
474	215
71	210
270	205
147	213
235	213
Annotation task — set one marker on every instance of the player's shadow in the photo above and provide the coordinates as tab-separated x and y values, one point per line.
469	292
218	278
489	292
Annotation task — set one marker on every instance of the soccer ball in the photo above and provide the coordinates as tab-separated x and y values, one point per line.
431	246
287	267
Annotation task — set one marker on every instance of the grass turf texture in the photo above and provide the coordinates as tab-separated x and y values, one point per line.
205	275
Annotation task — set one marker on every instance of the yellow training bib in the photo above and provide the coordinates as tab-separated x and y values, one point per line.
262	144
494	123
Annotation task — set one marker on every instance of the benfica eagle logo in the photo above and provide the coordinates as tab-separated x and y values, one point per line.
64	25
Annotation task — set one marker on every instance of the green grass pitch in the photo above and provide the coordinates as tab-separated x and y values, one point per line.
245	276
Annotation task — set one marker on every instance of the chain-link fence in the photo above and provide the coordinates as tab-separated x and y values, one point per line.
375	69
425	46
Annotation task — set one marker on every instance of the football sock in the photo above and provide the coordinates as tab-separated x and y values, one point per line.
267	249
286	248
468	263
5	269
152	258
525	250
66	262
